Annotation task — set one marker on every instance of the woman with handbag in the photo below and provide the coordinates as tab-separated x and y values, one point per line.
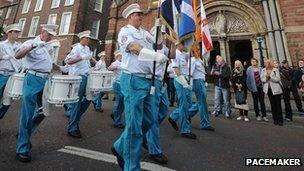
240	89
272	86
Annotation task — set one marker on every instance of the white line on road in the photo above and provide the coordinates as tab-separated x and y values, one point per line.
108	157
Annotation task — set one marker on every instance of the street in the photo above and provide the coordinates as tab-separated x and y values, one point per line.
224	149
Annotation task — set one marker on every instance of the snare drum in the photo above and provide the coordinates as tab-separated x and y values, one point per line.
64	89
100	81
15	90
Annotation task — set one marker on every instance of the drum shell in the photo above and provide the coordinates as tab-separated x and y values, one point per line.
15	91
100	81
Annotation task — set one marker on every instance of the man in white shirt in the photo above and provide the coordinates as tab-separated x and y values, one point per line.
8	62
38	54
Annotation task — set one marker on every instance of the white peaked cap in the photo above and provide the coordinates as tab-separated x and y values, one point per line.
15	27
130	10
50	28
86	33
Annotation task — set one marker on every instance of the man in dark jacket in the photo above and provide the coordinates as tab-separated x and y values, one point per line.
221	73
286	79
296	78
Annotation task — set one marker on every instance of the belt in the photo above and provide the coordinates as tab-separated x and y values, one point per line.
148	76
6	73
39	74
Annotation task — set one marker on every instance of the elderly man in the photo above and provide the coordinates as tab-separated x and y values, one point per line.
8	63
137	55
79	61
39	55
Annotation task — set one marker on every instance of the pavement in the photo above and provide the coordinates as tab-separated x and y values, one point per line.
224	149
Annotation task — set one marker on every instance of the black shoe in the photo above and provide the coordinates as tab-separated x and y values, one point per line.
280	124
119	158
173	124
74	134
120	126
208	128
171	105
159	158
23	157
112	116
189	135
99	110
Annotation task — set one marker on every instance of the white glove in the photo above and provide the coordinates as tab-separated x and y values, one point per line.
38	44
86	57
7	57
161	58
182	80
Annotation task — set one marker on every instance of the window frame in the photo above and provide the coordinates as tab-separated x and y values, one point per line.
22	26
50	17
53	5
24	11
31	27
40	7
62	24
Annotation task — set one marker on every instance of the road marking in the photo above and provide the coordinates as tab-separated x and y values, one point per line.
108	158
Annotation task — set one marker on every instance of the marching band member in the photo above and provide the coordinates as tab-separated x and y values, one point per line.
118	108
8	63
183	90
135	45
39	55
160	110
198	74
79	61
100	66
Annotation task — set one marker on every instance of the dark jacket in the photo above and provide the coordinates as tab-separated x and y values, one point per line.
238	78
296	76
286	77
221	80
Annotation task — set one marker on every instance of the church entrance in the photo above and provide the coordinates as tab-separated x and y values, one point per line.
240	50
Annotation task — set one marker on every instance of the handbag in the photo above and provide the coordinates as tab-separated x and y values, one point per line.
240	97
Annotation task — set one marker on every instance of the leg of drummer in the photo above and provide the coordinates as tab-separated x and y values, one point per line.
73	127
118	106
3	108
38	116
31	87
97	101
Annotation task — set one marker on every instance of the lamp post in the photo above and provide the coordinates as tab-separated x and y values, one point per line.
260	40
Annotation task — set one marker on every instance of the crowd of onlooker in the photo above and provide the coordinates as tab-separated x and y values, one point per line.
274	80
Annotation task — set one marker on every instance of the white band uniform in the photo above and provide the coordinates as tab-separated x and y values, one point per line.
64	89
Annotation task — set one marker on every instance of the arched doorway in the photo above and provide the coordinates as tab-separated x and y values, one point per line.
234	26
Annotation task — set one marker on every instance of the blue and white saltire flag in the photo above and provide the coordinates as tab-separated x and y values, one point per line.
187	20
170	11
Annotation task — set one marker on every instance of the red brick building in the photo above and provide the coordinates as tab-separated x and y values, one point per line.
235	27
72	16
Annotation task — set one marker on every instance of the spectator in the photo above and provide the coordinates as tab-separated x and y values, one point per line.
297	74
270	76
301	86
239	85
221	73
255	85
286	80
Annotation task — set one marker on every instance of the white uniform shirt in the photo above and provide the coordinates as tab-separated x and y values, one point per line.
160	68
198	69
170	70
40	58
117	72
7	48
181	62
130	62
82	67
100	66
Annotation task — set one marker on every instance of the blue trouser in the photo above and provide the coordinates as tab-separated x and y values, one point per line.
200	91
160	110
139	118
78	108
222	97
184	104
31	99
118	108
68	110
97	100
3	81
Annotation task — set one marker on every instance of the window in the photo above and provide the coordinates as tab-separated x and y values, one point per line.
26	6
39	4
52	19
8	12
65	23
34	25
55	3
69	2
95	29
22	23
98	5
